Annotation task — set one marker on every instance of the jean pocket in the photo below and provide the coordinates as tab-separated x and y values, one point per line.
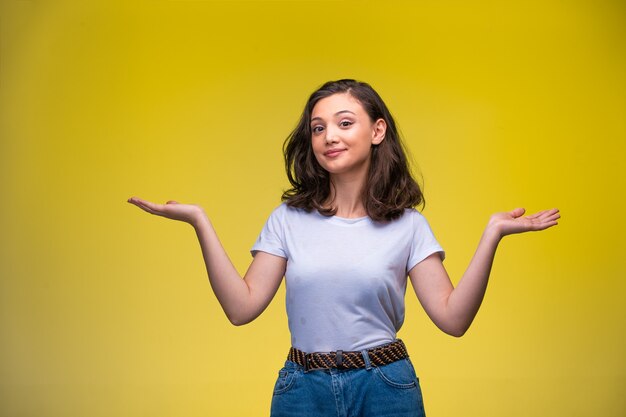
398	374
285	380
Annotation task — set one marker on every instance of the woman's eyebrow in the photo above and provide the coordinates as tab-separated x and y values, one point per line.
336	114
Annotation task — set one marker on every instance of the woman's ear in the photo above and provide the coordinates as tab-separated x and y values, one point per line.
378	131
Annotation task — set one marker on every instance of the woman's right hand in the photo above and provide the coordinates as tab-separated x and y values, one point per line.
188	213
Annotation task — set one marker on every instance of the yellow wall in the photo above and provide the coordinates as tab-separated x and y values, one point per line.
106	311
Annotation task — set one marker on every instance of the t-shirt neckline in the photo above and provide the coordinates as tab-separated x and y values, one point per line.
349	221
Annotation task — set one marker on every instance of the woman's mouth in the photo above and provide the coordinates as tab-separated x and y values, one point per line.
331	153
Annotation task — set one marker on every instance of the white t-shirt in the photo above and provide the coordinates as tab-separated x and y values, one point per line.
345	278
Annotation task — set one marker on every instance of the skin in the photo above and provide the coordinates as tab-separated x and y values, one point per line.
342	137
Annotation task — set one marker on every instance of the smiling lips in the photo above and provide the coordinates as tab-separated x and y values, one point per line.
331	153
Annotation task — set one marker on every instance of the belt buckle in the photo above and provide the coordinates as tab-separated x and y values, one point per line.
307	359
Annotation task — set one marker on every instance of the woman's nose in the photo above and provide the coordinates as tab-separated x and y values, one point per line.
330	137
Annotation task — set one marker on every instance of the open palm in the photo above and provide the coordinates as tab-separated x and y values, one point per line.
512	222
188	213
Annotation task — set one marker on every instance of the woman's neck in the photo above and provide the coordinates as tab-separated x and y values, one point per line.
346	196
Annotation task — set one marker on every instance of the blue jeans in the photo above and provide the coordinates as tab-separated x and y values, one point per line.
389	390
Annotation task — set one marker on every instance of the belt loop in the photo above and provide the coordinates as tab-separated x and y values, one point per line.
339	359
366	359
307	359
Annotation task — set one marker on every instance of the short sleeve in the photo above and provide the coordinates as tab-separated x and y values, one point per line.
272	237
423	243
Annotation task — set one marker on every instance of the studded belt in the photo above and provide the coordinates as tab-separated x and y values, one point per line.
378	356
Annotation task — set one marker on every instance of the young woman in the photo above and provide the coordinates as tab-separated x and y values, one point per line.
346	238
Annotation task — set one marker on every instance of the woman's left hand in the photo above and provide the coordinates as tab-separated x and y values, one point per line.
512	222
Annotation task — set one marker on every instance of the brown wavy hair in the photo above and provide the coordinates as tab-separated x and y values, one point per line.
389	187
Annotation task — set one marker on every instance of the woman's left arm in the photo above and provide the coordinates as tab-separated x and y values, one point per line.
453	309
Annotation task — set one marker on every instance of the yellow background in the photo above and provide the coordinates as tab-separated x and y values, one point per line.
106	310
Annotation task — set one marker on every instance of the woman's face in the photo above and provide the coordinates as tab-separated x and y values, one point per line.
342	135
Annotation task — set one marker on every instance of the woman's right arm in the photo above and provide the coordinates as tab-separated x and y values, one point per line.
242	300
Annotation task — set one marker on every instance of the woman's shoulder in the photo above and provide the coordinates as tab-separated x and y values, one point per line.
412	214
285	210
415	218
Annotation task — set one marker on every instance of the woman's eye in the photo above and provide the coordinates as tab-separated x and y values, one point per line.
317	129
345	123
